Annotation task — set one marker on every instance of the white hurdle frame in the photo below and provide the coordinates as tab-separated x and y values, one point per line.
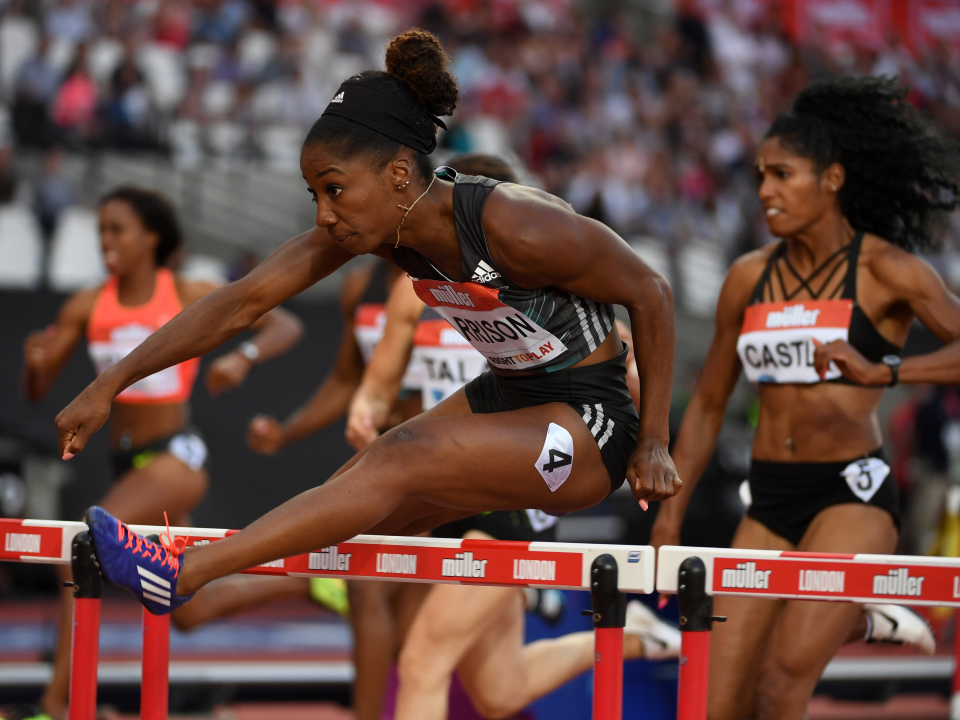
608	571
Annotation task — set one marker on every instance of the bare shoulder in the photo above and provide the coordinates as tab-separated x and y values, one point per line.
894	267
746	270
79	307
742	278
528	228
520	210
189	291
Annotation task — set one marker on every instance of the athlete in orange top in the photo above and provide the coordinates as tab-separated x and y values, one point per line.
157	458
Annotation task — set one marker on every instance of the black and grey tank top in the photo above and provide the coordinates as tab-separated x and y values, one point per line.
515	329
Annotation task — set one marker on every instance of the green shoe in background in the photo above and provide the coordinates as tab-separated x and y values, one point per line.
331	593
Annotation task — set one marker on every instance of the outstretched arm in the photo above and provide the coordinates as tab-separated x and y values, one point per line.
330	400
203	326
917	286
371	404
278	332
539	241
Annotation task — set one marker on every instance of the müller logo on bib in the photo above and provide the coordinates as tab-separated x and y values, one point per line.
776	339
506	337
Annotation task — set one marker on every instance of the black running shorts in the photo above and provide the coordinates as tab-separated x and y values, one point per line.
787	496
597	392
516	525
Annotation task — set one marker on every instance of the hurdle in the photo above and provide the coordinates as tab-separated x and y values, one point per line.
606	571
698	574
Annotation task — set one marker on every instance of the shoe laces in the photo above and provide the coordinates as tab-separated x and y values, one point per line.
167	552
173	545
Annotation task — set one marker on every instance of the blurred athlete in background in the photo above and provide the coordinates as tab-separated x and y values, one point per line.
849	179
158	458
373	608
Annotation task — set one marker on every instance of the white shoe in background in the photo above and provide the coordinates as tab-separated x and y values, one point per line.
660	640
899	625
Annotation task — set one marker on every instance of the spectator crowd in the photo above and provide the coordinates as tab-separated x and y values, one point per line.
654	136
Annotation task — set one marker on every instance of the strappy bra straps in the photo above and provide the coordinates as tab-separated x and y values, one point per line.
848	289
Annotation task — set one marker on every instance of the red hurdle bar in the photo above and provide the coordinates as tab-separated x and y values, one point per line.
607	570
861	578
955	687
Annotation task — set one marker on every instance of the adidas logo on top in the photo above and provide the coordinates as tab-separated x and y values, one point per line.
484	273
338	98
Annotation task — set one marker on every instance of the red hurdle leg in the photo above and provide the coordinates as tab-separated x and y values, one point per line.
85	640
696	620
155	679
609	617
955	696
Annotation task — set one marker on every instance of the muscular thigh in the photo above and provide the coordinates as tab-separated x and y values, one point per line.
484	461
807	634
737	646
165	484
456	404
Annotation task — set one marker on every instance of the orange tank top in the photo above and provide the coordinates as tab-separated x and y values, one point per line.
114	330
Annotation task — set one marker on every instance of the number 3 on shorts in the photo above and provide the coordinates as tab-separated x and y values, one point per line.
556	458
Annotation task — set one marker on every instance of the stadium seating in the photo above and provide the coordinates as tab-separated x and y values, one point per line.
76	260
21	249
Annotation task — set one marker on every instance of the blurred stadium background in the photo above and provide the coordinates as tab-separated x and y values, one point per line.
644	114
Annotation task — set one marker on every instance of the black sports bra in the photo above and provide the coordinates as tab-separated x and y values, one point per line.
775	340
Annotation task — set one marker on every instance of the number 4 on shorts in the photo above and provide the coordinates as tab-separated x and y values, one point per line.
556	458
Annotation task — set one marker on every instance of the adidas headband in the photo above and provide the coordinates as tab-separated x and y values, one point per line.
386	114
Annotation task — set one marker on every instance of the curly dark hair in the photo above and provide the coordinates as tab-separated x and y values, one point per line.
418	74
899	174
156	214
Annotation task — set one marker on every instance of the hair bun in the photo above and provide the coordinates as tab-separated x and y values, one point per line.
418	59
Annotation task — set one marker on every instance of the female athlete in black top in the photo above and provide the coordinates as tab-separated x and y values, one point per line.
849	179
537	307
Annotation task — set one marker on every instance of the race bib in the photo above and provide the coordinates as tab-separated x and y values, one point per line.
368	323
507	338
540	521
776	340
124	340
866	476
556	458
447	361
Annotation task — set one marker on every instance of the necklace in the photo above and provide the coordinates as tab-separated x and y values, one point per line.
408	209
